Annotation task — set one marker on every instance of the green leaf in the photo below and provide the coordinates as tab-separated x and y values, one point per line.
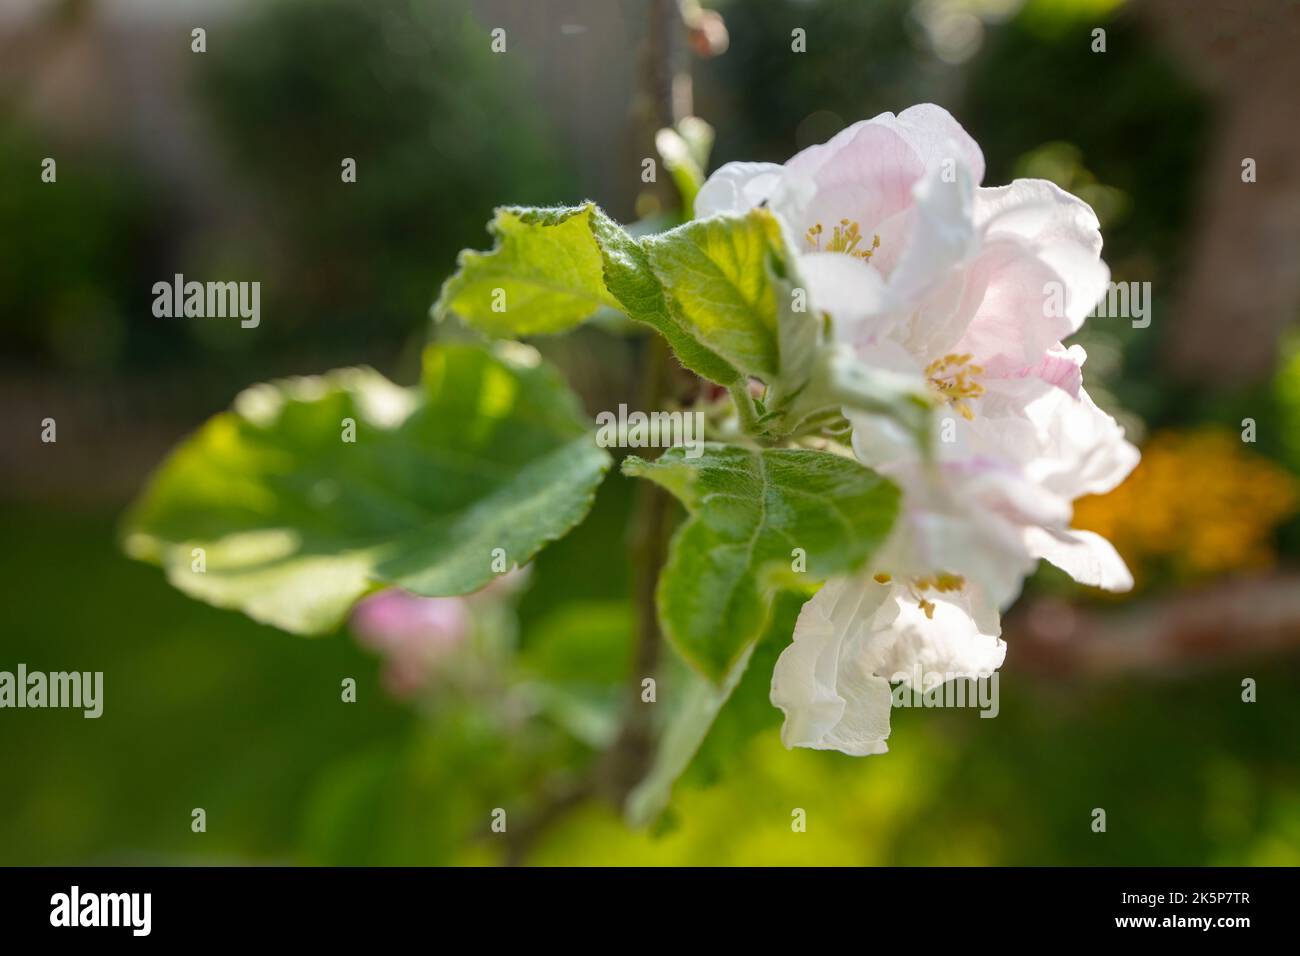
708	725
573	665
800	337
693	713
490	451
749	509
630	278
715	274
704	285
685	153
544	274
836	380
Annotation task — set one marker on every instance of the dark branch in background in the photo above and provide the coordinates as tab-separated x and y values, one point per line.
1232	619
665	99
629	758
665	88
626	761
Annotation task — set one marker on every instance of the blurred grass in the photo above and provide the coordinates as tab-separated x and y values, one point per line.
1187	775
204	708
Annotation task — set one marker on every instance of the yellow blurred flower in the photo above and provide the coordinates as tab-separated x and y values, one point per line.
1198	505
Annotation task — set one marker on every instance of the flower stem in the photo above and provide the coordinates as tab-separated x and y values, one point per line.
746	411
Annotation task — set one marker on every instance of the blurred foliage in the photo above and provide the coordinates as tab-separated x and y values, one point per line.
766	102
1144	142
1132	124
440	128
1199	504
1287	391
201	709
441	131
205	708
72	252
1186	773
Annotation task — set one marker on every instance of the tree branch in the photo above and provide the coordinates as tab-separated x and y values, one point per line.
1234	618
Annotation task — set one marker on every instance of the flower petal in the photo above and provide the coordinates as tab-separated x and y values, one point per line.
853	638
934	133
967	518
931	649
823	681
942	234
1059	366
1083	555
847	288
737	188
1060	233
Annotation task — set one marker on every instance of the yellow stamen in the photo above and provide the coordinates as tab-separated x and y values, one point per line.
952	379
943	582
845	238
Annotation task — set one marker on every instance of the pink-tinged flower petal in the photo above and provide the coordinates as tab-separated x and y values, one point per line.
870	152
394	619
1061	443
942	236
967	519
905	146
1083	555
1060	230
1083	450
934	132
1059	367
403	677
1014	317
868	172
1039	211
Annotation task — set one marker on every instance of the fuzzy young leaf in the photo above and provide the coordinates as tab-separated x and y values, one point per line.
837	381
296	523
693	712
750	509
543	276
704	285
630	278
708	725
715	274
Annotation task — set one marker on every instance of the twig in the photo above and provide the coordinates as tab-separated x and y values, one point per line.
666	98
629	756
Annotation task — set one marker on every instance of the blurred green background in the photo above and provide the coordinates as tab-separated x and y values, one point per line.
226	164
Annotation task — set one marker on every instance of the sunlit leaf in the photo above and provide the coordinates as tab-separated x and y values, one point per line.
475	469
756	518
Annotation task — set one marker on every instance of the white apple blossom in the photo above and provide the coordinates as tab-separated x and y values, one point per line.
857	635
971	291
